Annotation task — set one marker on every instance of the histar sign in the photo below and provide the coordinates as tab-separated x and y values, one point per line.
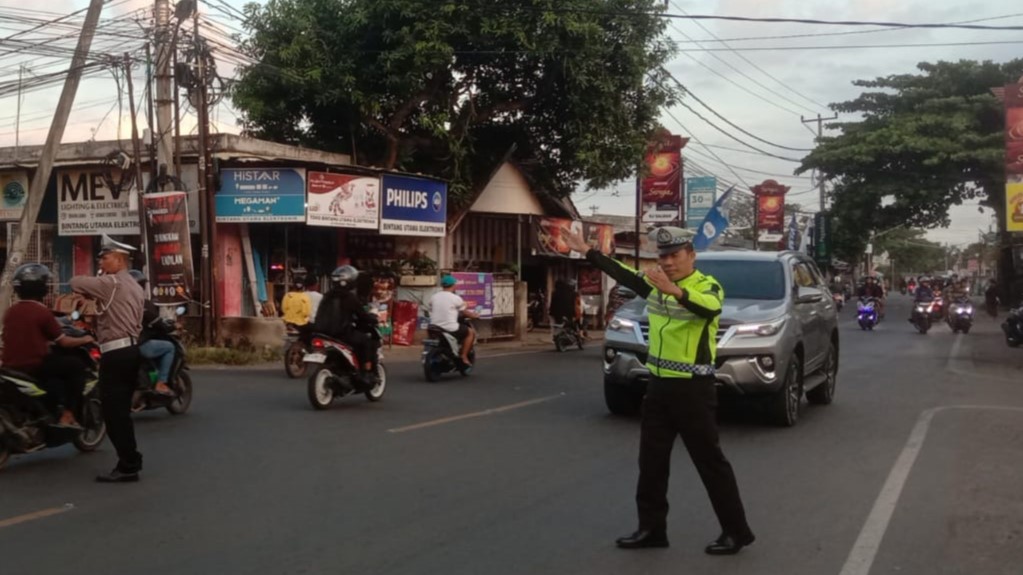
413	206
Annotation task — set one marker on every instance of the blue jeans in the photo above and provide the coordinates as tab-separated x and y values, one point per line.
162	354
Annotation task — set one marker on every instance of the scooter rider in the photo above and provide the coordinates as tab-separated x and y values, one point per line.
923	291
119	304
341	315
445	308
29	329
159	351
872	289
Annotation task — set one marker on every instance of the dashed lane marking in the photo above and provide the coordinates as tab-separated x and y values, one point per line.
485	412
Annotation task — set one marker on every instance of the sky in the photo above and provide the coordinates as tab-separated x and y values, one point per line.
763	91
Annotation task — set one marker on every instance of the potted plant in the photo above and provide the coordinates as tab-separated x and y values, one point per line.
419	270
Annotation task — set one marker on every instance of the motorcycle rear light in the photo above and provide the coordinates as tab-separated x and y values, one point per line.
318	343
94	353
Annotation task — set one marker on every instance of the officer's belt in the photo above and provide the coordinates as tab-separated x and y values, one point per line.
116	344
681	367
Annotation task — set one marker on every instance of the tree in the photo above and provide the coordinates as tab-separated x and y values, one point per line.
571	89
912	252
924	143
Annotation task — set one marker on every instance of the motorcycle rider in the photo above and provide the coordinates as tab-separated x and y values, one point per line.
871	289
564	306
343	316
29	329
445	308
159	351
923	291
991	298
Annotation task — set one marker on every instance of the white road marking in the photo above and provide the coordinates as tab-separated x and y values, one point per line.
491	411
864	551
10	522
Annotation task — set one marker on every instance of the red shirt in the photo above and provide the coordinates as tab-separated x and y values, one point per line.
29	327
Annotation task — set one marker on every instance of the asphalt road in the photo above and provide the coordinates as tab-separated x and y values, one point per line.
519	469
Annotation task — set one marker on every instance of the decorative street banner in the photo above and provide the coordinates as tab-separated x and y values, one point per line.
170	247
770	207
548	240
343	201
478	292
661	190
413	206
15	191
822	240
1014	207
1014	129
700	196
261	195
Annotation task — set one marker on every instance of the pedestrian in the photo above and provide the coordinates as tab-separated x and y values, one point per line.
681	400
312	291
119	305
991	298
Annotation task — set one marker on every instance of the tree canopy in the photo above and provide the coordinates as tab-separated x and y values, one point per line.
922	144
570	89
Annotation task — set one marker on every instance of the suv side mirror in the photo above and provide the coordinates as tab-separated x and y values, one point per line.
809	295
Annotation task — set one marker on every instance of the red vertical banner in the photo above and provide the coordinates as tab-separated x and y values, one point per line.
661	189
770	207
1014	129
170	247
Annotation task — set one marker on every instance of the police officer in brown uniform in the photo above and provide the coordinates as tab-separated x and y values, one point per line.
119	304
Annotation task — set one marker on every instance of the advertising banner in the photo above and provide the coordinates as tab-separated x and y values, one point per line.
700	196
1014	129
822	240
15	191
1014	207
413	206
590	281
770	207
478	292
170	247
87	207
661	189
261	195
548	239
343	201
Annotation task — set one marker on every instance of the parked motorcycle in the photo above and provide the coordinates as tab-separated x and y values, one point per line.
179	380
442	353
923	315
534	311
1013	327
27	423
334	369
866	313
296	345
566	334
960	316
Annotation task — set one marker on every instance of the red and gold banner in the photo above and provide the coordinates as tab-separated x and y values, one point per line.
661	189
770	206
1014	129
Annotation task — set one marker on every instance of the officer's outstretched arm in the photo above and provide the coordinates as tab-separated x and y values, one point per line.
622	273
704	300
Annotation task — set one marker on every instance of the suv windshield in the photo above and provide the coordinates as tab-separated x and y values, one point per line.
746	279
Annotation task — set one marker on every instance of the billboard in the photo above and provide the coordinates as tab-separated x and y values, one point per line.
1014	207
822	240
343	200
770	207
1014	129
170	248
661	189
700	196
548	239
478	292
261	195
413	206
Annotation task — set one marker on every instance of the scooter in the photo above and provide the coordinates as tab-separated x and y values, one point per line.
442	353
566	334
866	313
960	316
923	312
1013	327
334	370
179	380
27	424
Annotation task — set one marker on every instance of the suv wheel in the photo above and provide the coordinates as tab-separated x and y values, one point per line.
783	406
824	393
620	399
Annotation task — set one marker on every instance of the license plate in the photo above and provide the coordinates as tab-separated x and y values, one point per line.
314	358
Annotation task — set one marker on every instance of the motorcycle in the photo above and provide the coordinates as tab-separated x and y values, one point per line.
179	380
1013	327
335	371
566	334
866	313
27	424
839	299
923	314
296	346
442	353
534	311
960	316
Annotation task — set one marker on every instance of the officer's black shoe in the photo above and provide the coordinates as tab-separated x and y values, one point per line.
118	476
643	538
728	545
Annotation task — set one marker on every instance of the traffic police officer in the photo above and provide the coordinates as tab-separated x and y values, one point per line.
119	304
684	305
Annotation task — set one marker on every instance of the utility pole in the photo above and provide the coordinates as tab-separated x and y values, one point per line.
207	205
20	242
17	120
820	133
164	100
137	151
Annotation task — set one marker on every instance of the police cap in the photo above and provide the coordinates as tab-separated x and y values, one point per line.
671	239
108	245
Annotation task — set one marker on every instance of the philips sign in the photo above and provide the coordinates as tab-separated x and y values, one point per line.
413	207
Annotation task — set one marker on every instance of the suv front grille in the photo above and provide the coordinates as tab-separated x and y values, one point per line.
644	328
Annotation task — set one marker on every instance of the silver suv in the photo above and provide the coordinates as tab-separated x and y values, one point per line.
777	338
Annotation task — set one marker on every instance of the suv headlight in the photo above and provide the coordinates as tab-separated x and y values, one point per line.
620	324
767	328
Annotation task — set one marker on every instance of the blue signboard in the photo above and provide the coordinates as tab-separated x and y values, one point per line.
261	195
700	196
413	206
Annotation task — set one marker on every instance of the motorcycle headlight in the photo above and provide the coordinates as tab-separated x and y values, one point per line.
767	328
621	324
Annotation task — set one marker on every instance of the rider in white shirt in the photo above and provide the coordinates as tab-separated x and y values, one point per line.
445	308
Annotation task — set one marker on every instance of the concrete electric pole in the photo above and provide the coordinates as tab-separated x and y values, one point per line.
820	132
164	99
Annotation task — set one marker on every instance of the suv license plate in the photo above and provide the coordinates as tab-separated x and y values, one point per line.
314	358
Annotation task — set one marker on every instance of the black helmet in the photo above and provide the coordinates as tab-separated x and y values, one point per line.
344	276
139	277
30	281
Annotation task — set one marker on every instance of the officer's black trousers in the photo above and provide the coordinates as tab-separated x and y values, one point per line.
687	408
118	375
